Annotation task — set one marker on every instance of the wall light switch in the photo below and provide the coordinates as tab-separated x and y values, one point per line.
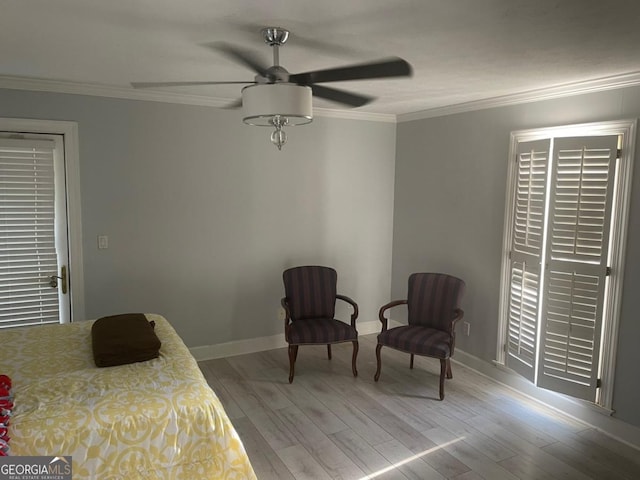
103	242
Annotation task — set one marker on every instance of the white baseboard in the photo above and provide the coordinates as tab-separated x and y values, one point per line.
260	344
585	412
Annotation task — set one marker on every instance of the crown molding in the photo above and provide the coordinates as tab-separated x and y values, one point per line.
97	90
127	93
576	88
354	115
569	89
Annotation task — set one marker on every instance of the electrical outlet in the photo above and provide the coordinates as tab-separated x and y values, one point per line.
467	328
281	313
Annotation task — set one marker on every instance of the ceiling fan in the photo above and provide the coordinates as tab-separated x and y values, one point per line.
277	98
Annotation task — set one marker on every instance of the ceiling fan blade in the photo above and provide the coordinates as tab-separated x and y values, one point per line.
392	67
341	96
180	84
244	56
235	104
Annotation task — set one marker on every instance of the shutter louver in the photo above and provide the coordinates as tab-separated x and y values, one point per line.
528	224
530	199
580	215
27	235
523	319
580	212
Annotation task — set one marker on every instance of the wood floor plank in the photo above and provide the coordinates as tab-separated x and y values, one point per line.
359	450
329	424
326	420
526	468
512	424
302	464
388	400
630	454
320	447
230	405
471	475
348	413
527	451
624	467
408	435
582	462
266	463
475	460
277	435
407	462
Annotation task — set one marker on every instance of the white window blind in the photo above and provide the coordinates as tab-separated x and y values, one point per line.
27	233
578	244
528	223
555	310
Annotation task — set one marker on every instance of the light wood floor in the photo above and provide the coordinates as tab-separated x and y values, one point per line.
330	425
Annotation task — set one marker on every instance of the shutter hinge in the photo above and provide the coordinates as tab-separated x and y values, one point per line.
504	347
599	383
608	272
618	154
509	254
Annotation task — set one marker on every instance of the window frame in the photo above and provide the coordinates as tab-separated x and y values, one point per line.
618	239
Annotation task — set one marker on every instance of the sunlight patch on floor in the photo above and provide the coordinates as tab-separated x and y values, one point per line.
409	459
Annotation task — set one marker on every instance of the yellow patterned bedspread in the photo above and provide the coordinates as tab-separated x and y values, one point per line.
150	420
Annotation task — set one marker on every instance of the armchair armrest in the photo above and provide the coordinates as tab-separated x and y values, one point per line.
389	305
287	316
459	314
354	315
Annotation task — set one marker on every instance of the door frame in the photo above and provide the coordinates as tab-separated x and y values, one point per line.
69	131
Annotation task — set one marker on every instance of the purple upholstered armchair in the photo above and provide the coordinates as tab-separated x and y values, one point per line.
433	303
309	304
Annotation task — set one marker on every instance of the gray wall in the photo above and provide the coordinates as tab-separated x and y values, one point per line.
450	185
203	213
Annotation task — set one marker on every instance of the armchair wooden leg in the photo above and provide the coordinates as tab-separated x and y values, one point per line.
329	351
293	353
443	371
411	362
354	357
377	376
449	373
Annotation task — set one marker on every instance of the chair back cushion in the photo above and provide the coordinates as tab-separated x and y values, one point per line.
432	299
310	291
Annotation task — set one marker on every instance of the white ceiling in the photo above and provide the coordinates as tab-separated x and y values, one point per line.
461	50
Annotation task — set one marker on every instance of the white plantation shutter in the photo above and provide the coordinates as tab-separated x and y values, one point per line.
526	253
578	240
27	233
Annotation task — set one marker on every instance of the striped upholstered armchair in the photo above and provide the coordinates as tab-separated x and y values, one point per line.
433	303
309	305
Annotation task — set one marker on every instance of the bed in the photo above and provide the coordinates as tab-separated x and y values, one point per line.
157	419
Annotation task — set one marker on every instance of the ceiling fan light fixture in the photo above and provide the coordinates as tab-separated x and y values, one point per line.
277	105
262	102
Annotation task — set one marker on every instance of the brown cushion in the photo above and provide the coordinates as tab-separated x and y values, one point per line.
122	339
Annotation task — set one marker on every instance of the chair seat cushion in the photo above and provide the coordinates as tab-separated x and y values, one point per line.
320	331
418	340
